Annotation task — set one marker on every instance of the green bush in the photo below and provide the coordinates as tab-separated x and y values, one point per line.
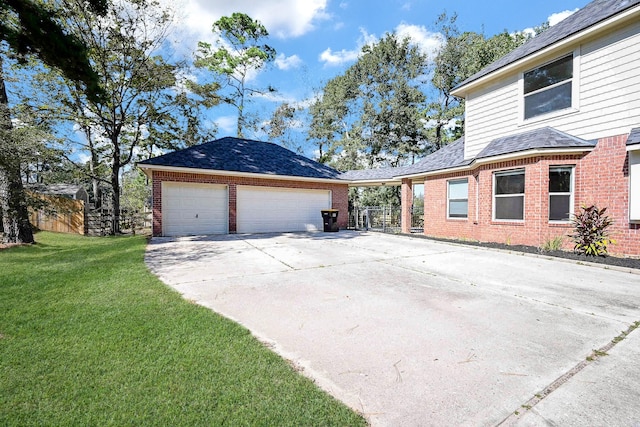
554	244
590	233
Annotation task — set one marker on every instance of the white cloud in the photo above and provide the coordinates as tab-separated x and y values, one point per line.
553	19
331	58
227	124
557	17
427	42
282	18
284	62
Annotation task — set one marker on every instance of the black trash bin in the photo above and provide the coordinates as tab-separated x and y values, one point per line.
330	219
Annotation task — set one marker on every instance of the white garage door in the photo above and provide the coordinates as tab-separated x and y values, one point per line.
191	209
265	210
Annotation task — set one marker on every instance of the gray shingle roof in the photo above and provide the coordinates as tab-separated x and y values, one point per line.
245	156
448	157
634	137
591	14
542	138
69	190
380	174
452	156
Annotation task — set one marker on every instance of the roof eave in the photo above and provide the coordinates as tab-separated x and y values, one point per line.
148	169
633	147
563	44
501	158
373	182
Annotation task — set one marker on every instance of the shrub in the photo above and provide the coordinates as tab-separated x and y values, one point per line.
590	233
554	244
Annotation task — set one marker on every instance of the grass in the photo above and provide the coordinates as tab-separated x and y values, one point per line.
89	337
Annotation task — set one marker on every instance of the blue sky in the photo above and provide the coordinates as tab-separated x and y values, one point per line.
318	39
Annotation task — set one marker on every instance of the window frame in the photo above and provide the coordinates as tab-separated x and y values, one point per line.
449	199
495	196
575	79
571	193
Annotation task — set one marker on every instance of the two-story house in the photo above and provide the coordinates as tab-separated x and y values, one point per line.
550	127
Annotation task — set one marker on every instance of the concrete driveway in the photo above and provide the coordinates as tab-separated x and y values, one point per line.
414	332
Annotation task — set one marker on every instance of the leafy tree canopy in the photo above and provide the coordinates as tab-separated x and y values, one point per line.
237	54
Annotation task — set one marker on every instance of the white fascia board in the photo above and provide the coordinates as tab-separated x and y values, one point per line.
532	153
374	182
634	147
148	169
436	172
558	46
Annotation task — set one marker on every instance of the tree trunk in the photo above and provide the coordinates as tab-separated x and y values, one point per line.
115	186
13	201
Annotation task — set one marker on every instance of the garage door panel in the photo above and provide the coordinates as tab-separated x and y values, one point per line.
263	209
189	209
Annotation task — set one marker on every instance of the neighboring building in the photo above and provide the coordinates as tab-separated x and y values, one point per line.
550	127
236	185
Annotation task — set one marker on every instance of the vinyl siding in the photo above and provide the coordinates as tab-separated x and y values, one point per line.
608	102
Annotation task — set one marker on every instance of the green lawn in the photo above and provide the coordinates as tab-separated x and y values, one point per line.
89	337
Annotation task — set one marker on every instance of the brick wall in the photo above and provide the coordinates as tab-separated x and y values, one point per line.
600	177
339	193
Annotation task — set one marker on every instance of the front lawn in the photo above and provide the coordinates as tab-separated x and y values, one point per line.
89	337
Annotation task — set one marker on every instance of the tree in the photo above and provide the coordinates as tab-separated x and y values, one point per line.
279	128
462	54
238	54
34	29
371	116
13	202
143	107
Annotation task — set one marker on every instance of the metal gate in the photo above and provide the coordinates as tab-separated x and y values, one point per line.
387	219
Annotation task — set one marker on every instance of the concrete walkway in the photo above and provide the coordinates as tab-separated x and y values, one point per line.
417	333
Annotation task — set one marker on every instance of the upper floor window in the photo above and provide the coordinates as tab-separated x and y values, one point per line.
548	88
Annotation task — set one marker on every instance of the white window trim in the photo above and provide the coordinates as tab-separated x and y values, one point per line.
459	218
494	196
477	185
634	184
571	194
575	94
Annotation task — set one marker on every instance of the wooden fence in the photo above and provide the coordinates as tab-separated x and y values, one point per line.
65	215
61	215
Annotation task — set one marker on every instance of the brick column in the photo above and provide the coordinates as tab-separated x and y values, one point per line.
156	185
233	216
406	200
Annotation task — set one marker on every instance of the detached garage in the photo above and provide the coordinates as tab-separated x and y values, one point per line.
234	185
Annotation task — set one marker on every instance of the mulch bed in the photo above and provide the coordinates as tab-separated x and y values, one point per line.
606	260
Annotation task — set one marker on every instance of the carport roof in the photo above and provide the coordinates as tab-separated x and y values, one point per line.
244	156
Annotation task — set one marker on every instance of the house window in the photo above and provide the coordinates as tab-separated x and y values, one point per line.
560	193
458	198
508	195
548	88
